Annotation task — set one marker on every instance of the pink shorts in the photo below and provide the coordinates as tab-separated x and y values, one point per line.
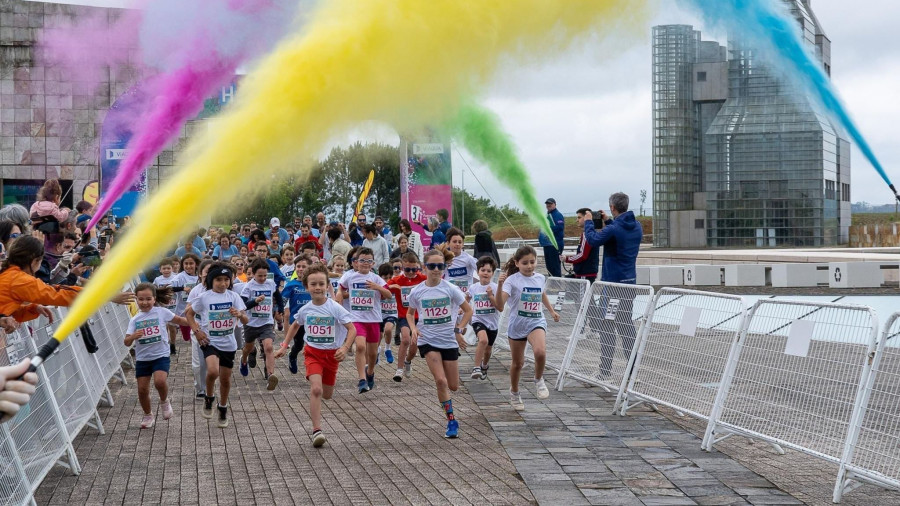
372	331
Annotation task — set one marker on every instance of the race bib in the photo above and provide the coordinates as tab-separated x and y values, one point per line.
530	303
264	308
436	311
404	295
149	330
270	276
459	276
221	323
187	289
320	329
461	283
483	304
362	300
388	307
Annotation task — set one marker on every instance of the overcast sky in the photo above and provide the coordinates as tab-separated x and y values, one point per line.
583	123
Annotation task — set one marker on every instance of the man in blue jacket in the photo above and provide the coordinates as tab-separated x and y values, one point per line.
621	240
558	226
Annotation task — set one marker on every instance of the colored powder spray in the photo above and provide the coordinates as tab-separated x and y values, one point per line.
483	136
407	63
769	25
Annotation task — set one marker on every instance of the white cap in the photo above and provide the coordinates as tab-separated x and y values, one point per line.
274	222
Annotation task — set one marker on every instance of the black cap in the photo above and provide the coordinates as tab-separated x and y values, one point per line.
219	270
550	201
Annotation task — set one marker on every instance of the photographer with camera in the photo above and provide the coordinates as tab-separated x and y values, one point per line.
621	240
586	260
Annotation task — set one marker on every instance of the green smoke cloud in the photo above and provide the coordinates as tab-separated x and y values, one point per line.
480	132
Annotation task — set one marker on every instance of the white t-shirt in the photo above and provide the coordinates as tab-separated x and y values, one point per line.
154	340
484	311
287	270
213	309
389	308
188	282
462	271
324	325
260	314
525	304
437	307
365	304
162	281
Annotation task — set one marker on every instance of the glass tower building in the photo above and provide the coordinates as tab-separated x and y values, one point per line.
742	158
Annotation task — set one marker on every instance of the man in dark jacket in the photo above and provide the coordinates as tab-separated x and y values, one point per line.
586	260
558	226
621	241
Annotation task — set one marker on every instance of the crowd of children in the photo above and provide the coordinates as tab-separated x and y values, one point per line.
354	305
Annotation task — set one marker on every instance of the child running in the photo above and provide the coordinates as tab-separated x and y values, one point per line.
184	282
259	294
365	289
165	279
220	308
462	270
438	337
145	331
401	285
388	314
524	290
486	318
198	361
329	334
296	295
336	269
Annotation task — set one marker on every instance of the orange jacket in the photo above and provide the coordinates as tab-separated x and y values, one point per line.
21	293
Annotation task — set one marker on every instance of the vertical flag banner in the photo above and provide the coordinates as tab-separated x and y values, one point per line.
114	137
362	196
426	181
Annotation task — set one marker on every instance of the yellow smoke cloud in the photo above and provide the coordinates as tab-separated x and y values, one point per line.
408	63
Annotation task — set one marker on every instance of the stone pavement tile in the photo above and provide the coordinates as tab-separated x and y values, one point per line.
617	496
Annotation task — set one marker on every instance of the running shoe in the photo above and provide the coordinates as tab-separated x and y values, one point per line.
476	373
398	376
292	364
318	439
370	379
245	371
272	382
542	391
515	400
452	429
147	422
407	369
484	370
363	386
200	396
252	358
172	349
208	406
223	417
167	410
389	356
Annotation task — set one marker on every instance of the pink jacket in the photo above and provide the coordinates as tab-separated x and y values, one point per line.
47	208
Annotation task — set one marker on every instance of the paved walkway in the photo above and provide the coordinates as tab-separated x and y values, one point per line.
387	447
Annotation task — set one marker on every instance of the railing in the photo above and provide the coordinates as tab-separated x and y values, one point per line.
71	382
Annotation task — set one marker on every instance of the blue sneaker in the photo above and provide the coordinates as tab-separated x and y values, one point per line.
244	369
389	356
452	429
292	364
363	386
370	379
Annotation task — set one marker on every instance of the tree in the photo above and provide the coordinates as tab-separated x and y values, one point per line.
480	208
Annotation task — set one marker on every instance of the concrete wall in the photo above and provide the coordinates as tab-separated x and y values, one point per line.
50	124
683	231
715	88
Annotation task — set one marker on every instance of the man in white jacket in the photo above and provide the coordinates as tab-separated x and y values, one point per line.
377	244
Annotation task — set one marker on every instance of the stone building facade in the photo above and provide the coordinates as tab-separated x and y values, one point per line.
49	124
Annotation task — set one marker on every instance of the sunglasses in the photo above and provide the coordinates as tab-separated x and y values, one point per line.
432	267
14	236
366	261
410	269
397	269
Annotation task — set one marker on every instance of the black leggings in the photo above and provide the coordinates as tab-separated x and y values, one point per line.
297	347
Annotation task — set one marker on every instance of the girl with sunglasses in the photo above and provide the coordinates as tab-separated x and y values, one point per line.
437	335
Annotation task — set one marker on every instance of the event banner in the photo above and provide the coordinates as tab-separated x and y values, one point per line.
114	136
425	182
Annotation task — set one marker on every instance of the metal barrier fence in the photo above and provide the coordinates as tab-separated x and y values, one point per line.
872	450
795	376
569	299
683	351
70	384
613	313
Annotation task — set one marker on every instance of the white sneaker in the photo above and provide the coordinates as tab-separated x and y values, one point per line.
476	373
407	369
398	376
515	400
147	422
167	409
542	391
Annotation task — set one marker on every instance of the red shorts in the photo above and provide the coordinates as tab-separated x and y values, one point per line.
321	362
372	331
185	332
